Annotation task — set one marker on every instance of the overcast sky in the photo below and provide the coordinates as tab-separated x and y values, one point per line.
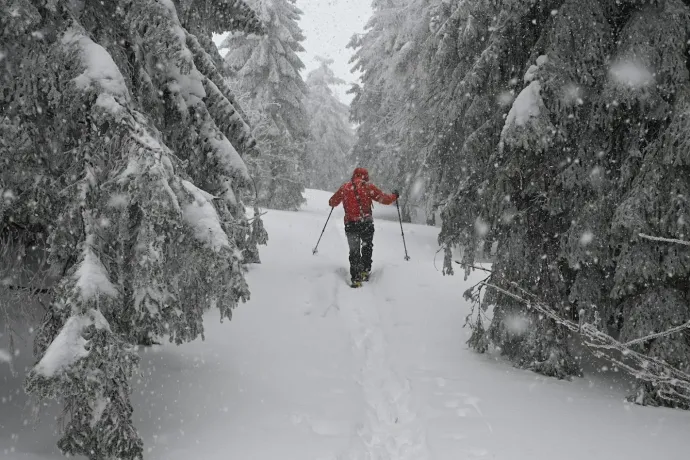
328	26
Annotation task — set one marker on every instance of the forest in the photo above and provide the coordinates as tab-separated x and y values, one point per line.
544	143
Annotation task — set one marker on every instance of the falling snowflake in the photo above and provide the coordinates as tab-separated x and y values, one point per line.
506	98
517	324
586	238
632	74
481	228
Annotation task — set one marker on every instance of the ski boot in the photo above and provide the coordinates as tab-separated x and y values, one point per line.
365	276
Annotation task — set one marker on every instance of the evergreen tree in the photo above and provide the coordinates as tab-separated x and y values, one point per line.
578	166
394	127
267	69
119	143
331	136
556	129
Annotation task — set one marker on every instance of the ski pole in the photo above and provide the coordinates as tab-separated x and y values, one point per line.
324	229
401	230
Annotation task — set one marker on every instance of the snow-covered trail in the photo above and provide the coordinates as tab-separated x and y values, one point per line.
391	428
311	369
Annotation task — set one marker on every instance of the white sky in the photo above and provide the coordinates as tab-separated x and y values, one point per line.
328	26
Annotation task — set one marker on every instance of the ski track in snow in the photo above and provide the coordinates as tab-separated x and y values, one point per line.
391	430
310	369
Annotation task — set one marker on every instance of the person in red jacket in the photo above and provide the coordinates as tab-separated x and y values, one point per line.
357	196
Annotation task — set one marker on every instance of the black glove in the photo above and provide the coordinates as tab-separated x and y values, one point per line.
396	193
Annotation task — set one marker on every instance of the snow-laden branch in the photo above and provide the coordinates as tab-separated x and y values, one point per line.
664	240
671	383
659	334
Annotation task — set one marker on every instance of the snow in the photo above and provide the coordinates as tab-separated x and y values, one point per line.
203	218
517	324
225	152
91	276
69	345
190	86
310	369
481	228
527	124
417	189
526	106
586	238
531	73
572	95
631	73
7	195
98	408
5	356
118	200
505	98
108	103
185	79
100	69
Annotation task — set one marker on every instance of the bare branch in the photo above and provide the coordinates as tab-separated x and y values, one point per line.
659	334
671	383
664	240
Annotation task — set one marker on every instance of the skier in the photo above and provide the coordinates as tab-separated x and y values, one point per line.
356	196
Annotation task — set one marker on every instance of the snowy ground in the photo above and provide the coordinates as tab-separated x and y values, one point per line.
310	369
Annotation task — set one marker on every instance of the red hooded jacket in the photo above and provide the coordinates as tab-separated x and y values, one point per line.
359	210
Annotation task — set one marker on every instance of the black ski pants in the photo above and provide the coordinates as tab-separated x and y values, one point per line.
360	238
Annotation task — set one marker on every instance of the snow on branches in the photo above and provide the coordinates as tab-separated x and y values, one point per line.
126	157
666	381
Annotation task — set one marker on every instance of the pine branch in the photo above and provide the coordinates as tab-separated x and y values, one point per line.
473	267
32	290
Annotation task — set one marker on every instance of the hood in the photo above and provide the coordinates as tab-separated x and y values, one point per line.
361	173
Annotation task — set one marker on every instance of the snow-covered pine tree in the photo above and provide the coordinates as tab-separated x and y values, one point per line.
578	152
118	146
331	135
267	68
394	127
369	108
649	91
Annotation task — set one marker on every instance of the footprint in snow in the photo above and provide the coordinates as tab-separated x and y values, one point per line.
474	402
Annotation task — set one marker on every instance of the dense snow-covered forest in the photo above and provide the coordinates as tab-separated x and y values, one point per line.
556	130
545	143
